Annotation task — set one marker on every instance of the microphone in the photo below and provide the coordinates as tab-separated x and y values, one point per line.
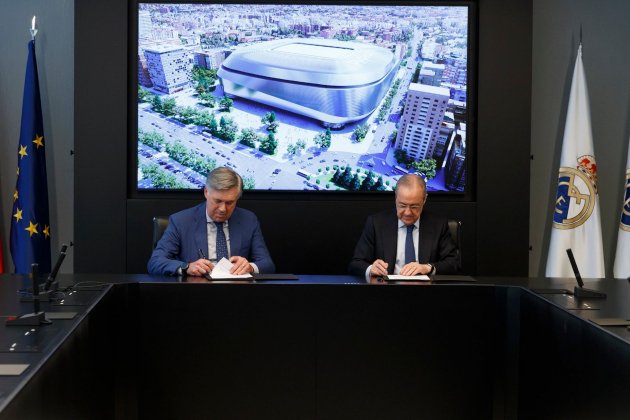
55	270
581	291
37	317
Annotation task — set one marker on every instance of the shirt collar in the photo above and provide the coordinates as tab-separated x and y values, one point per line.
209	220
416	224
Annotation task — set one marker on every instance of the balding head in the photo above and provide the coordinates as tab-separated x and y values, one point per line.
411	194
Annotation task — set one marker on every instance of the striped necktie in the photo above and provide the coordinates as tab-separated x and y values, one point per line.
222	250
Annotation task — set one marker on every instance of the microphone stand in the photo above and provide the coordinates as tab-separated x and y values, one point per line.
37	317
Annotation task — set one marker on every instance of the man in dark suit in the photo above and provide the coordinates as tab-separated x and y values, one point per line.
198	237
406	241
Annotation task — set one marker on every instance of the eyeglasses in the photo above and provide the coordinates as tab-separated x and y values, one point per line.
412	207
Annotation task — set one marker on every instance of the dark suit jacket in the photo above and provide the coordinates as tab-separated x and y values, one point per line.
187	233
380	236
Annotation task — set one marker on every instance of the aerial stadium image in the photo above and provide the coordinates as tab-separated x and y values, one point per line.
302	97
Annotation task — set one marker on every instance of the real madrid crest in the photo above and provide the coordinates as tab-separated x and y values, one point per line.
577	194
625	210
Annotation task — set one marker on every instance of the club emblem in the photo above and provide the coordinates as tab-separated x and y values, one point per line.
577	194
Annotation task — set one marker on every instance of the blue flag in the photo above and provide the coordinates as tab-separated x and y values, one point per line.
30	226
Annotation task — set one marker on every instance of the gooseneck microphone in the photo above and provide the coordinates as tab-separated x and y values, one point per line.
581	291
55	270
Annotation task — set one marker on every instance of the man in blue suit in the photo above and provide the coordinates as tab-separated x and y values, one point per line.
196	238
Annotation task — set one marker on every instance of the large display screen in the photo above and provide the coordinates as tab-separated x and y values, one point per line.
316	97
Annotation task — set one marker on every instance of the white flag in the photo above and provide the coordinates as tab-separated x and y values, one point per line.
576	221
622	259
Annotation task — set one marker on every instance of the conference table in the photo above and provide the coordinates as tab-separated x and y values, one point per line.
316	347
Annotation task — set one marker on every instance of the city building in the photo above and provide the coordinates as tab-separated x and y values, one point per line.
169	67
431	73
421	121
456	165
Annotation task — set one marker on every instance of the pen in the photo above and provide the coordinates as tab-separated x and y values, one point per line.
202	255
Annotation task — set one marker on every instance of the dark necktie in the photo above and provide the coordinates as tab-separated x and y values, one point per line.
222	250
410	252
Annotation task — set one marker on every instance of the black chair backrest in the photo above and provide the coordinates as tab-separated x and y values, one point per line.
159	226
455	228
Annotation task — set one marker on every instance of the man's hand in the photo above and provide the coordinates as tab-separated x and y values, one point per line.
414	268
200	267
379	268
241	266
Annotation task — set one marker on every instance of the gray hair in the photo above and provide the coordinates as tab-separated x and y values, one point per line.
223	179
412	180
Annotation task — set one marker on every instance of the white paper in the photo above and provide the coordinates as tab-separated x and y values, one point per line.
12	369
421	277
222	271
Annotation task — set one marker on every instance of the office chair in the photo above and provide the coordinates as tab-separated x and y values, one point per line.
455	228
159	226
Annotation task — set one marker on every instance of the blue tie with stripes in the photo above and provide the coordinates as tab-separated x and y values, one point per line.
222	250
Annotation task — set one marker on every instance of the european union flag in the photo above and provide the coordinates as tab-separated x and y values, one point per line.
30	226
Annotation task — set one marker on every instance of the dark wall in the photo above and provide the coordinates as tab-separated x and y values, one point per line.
305	234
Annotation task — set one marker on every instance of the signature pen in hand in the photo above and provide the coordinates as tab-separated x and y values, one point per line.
202	255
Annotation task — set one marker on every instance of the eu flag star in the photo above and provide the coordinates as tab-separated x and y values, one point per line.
22	152
18	215
15	195
39	141
32	228
46	231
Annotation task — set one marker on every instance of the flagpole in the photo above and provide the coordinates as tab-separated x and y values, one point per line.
33	29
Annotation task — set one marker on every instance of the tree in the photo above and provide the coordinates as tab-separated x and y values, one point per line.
336	176
296	149
226	103
203	118
378	186
323	139
156	103
227	129
402	157
143	94
152	139
203	78
168	106
270	120
248	137
426	167
207	99
355	184
360	132
394	136
269	144
213	126
159	178
346	178
249	182
186	114
368	182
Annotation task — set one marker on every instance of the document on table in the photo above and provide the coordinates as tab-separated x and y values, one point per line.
398	277
12	369
222	271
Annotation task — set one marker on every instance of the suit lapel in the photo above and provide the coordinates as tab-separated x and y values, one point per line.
201	230
234	228
391	240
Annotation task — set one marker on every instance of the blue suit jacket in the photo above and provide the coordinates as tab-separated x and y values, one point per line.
187	233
